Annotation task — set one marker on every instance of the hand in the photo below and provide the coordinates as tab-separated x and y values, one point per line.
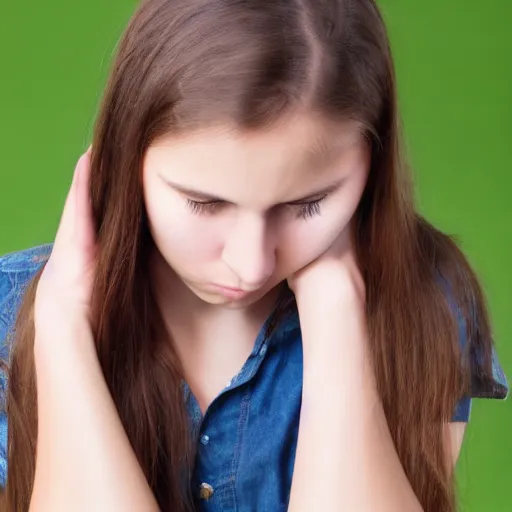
64	290
331	299
334	274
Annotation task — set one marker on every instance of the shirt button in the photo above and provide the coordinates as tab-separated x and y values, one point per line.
205	491
205	439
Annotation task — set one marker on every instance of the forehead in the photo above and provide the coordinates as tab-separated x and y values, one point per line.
261	167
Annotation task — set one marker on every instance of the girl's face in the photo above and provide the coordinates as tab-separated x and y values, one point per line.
246	211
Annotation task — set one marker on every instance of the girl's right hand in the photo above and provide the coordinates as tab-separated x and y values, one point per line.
64	290
84	459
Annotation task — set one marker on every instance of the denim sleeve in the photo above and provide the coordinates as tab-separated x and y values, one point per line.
16	271
462	410
3	449
6	290
483	385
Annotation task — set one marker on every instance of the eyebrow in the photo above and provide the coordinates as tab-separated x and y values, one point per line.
208	198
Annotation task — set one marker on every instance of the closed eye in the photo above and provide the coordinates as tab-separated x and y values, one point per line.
308	209
199	207
303	210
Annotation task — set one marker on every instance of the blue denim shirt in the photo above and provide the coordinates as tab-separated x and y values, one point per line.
247	438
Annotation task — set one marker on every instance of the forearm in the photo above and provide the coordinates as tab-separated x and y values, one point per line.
84	458
345	458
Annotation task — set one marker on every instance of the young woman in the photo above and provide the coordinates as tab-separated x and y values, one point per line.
242	309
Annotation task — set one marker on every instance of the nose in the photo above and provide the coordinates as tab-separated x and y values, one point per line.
249	252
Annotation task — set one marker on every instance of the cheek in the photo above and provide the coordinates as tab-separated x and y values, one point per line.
301	244
185	240
304	241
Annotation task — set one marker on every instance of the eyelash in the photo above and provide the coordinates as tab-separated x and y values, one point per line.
304	210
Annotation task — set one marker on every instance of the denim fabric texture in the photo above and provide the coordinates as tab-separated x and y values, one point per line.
247	438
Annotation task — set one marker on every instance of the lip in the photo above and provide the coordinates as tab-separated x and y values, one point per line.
232	293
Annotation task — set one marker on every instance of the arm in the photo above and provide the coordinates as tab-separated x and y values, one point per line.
346	458
84	458
344	444
453	437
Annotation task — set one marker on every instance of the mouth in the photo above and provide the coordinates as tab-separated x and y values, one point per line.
231	293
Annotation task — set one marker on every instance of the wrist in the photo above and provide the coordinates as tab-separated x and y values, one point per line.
63	342
333	324
334	295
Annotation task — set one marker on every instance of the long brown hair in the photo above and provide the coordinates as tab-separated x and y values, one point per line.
186	64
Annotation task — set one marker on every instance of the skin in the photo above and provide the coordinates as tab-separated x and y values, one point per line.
255	239
249	243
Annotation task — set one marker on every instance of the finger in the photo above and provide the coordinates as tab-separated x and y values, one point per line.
84	226
67	223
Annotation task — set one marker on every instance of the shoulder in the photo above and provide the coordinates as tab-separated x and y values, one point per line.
26	260
16	270
479	356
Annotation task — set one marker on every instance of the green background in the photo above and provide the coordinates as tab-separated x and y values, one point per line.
454	67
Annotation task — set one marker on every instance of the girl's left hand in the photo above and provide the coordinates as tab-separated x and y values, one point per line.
333	275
